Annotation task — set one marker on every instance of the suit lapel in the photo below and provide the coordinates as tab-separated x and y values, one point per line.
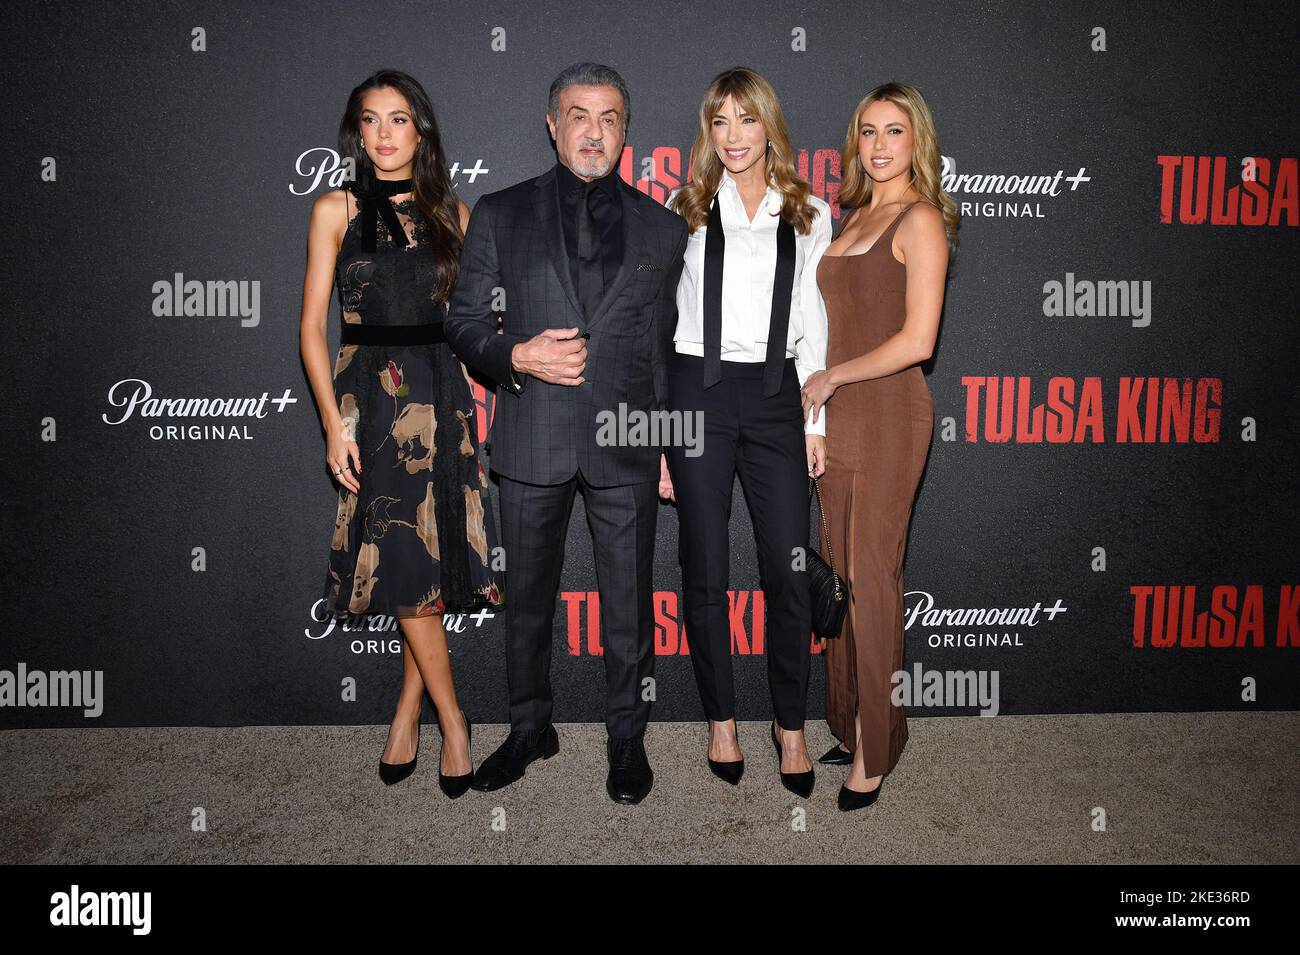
548	214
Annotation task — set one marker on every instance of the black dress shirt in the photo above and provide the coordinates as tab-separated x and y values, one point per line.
608	215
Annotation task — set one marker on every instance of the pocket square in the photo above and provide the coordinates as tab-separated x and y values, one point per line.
649	267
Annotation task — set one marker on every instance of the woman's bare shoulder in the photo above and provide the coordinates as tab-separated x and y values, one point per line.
923	219
332	204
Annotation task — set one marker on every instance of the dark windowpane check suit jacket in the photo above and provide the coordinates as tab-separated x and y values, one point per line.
543	433
544	437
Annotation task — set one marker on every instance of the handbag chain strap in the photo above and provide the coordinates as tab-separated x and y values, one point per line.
816	485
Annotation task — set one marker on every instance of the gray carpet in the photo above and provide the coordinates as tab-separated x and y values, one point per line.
1175	788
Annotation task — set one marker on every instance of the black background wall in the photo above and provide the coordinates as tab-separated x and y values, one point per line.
132	156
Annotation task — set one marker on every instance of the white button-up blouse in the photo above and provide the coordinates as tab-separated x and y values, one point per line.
749	267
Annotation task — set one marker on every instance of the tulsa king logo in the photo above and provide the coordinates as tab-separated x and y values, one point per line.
1218	190
132	395
1215	617
1146	410
661	170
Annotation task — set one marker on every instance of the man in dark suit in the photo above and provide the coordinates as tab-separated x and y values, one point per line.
584	270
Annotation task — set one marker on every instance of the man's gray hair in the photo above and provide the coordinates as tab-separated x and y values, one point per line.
588	74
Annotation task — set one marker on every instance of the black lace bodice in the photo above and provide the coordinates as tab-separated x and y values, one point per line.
394	285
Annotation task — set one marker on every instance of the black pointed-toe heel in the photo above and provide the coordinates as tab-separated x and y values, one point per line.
851	799
455	786
729	771
801	784
837	755
395	772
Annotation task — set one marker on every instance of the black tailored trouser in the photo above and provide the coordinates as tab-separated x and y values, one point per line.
534	525
762	440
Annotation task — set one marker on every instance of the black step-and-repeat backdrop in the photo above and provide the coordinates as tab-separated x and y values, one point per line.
1107	521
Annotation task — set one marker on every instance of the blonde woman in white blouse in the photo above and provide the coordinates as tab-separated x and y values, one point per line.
751	328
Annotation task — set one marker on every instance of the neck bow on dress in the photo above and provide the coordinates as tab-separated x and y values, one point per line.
373	196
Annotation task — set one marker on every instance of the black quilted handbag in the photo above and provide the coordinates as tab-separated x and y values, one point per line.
830	592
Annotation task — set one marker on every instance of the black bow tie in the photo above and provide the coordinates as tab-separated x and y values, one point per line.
374	194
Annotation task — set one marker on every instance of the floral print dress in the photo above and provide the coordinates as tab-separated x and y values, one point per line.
419	538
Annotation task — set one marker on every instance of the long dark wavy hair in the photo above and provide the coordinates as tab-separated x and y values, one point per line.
431	182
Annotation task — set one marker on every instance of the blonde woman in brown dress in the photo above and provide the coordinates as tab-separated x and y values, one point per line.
882	280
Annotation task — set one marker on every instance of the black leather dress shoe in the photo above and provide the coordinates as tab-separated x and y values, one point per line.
395	772
456	786
837	755
630	776
801	784
512	757
851	799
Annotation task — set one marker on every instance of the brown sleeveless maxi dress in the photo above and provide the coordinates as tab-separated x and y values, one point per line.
877	440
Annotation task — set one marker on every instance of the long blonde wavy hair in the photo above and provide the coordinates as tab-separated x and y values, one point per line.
755	95
927	160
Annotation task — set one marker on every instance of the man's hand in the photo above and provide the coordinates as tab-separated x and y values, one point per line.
555	356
